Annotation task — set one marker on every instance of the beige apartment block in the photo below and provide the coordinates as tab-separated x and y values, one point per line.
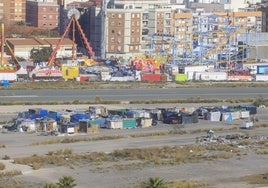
12	11
123	32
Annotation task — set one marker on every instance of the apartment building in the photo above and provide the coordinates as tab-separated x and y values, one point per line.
42	14
183	32
12	11
124	32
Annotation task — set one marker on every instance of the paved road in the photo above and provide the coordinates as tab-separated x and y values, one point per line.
131	94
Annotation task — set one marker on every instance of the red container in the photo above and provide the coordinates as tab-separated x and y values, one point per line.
151	77
83	78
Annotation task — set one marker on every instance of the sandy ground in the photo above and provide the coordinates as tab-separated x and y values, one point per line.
219	173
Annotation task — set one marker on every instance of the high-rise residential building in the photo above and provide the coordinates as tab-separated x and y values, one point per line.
12	11
42	13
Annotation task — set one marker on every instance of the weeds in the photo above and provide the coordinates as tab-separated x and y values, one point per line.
2	166
261	179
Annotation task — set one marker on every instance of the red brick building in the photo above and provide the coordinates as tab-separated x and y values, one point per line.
43	15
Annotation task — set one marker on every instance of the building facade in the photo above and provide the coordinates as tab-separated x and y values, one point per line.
42	14
12	11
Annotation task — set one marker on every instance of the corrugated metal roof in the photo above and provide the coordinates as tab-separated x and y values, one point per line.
38	41
54	41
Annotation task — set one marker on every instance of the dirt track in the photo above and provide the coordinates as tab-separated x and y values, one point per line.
219	173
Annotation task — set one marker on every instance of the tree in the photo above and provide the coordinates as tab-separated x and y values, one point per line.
154	182
41	55
66	182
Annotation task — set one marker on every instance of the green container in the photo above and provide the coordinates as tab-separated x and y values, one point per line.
129	123
180	78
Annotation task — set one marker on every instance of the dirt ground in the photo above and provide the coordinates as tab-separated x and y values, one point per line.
220	173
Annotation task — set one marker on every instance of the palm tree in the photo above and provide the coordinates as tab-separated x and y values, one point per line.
50	185
66	182
154	182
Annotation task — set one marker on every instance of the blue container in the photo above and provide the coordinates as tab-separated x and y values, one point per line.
262	69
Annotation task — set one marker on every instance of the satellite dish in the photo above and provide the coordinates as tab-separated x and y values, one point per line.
73	13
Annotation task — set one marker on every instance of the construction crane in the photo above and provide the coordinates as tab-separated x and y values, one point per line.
73	15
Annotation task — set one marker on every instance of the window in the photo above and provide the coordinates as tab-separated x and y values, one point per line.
112	23
112	16
112	31
119	40
112	39
119	48
119	23
119	15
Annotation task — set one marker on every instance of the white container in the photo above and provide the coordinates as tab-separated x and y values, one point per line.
262	77
214	116
146	122
115	124
247	124
214	76
235	115
70	130
244	114
10	76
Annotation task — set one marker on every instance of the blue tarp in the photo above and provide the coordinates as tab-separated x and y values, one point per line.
76	117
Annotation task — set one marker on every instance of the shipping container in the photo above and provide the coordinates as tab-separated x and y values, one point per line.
146	122
180	77
213	76
151	78
115	124
201	68
261	77
9	76
239	77
70	72
129	123
262	69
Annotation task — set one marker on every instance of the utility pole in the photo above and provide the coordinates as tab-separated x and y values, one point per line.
2	44
103	28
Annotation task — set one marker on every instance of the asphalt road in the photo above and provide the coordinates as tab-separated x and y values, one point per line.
63	95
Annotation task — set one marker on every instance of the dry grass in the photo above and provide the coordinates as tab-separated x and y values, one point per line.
2	166
186	184
74	140
156	155
10	173
261	179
